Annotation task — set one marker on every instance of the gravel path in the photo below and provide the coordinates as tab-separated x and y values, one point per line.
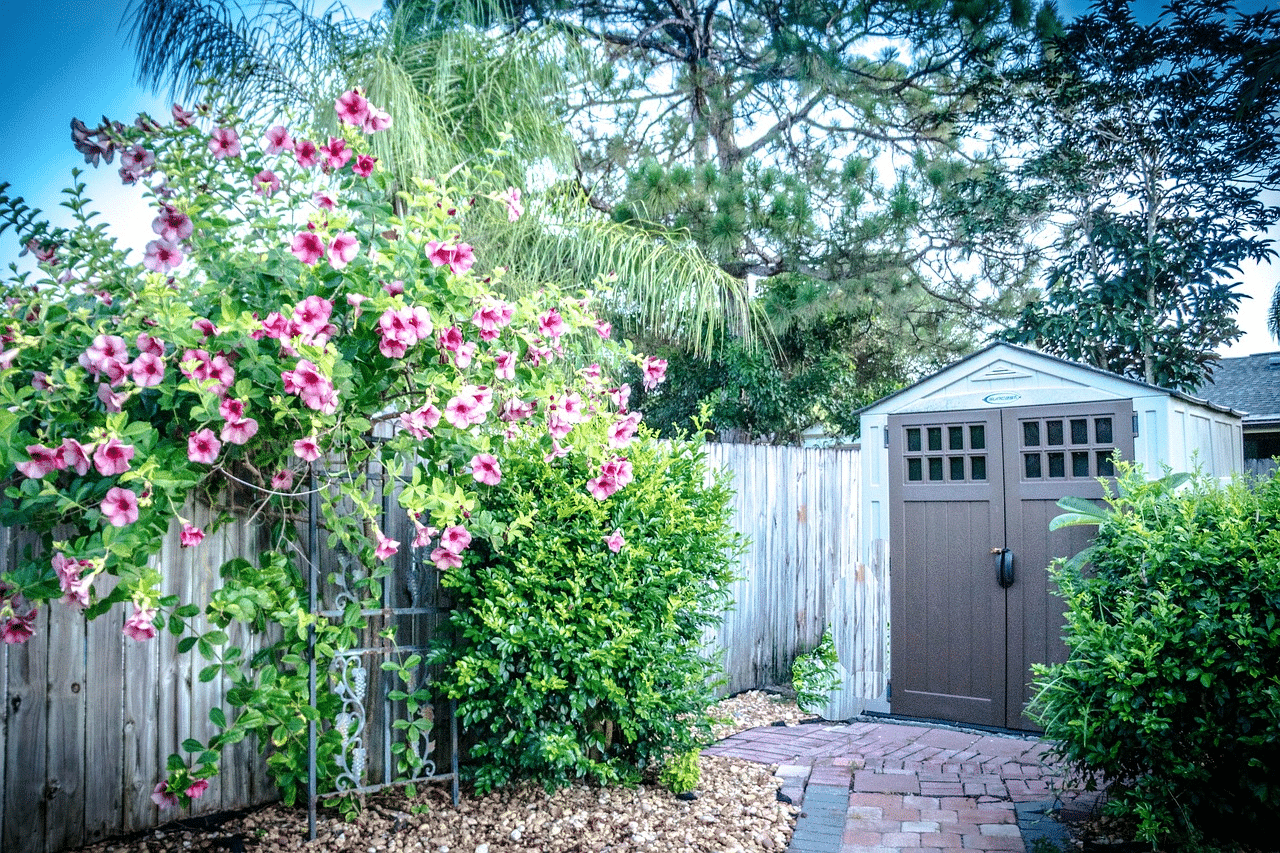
736	809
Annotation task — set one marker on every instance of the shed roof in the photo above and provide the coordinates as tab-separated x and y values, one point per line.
1078	373
1250	384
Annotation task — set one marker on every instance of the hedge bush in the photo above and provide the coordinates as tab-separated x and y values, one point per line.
1171	694
575	661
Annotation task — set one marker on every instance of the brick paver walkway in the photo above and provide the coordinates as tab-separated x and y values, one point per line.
873	787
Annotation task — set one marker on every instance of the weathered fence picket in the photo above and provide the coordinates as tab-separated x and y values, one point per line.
89	716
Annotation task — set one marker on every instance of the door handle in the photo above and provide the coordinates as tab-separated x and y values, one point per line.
1004	567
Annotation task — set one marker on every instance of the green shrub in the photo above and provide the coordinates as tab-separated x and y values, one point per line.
570	660
814	675
680	772
1171	693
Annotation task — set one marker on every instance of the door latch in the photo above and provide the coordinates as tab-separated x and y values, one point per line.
1004	566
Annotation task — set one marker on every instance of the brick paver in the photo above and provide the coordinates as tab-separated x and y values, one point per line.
881	787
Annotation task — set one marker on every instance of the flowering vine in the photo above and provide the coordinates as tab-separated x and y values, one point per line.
285	312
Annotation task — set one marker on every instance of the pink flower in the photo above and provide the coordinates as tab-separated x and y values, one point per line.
511	198
622	430
140	625
203	446
422	535
266	183
307	247
307	449
491	317
181	117
277	139
160	793
386	547
377	120
171	225
615	541
147	370
231	409
504	365
551	324
307	153
469	406
282	480
190	536
43	460
19	629
620	396
363	166
312	315
342	249
120	507
162	256
312	387
450	339
457	257
455	539
604	328
445	559
111	401
336	152
104	354
112	457
323	201
239	431
614	474
394	288
655	372
420	422
75	588
517	410
197	788
484	469
147	345
352	108
224	142
466	352
74	455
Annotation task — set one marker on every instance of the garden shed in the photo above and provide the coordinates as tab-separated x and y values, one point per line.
962	472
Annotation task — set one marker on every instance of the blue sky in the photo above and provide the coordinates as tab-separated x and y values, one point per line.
65	58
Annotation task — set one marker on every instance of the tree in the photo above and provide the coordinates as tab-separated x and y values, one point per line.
1156	144
804	147
461	100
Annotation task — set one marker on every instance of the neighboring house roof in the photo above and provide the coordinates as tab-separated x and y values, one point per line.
1250	384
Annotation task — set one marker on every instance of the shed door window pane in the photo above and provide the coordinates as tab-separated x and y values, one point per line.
935	438
1102	430
1106	467
978	468
955	438
1031	434
1057	465
978	437
935	468
1080	463
915	470
913	440
1054	431
1079	431
957	467
1032	466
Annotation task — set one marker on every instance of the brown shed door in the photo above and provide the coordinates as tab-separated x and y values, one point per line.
966	486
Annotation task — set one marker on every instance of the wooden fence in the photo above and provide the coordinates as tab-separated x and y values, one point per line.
90	717
801	510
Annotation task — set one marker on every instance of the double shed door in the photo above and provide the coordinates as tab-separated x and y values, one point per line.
972	494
